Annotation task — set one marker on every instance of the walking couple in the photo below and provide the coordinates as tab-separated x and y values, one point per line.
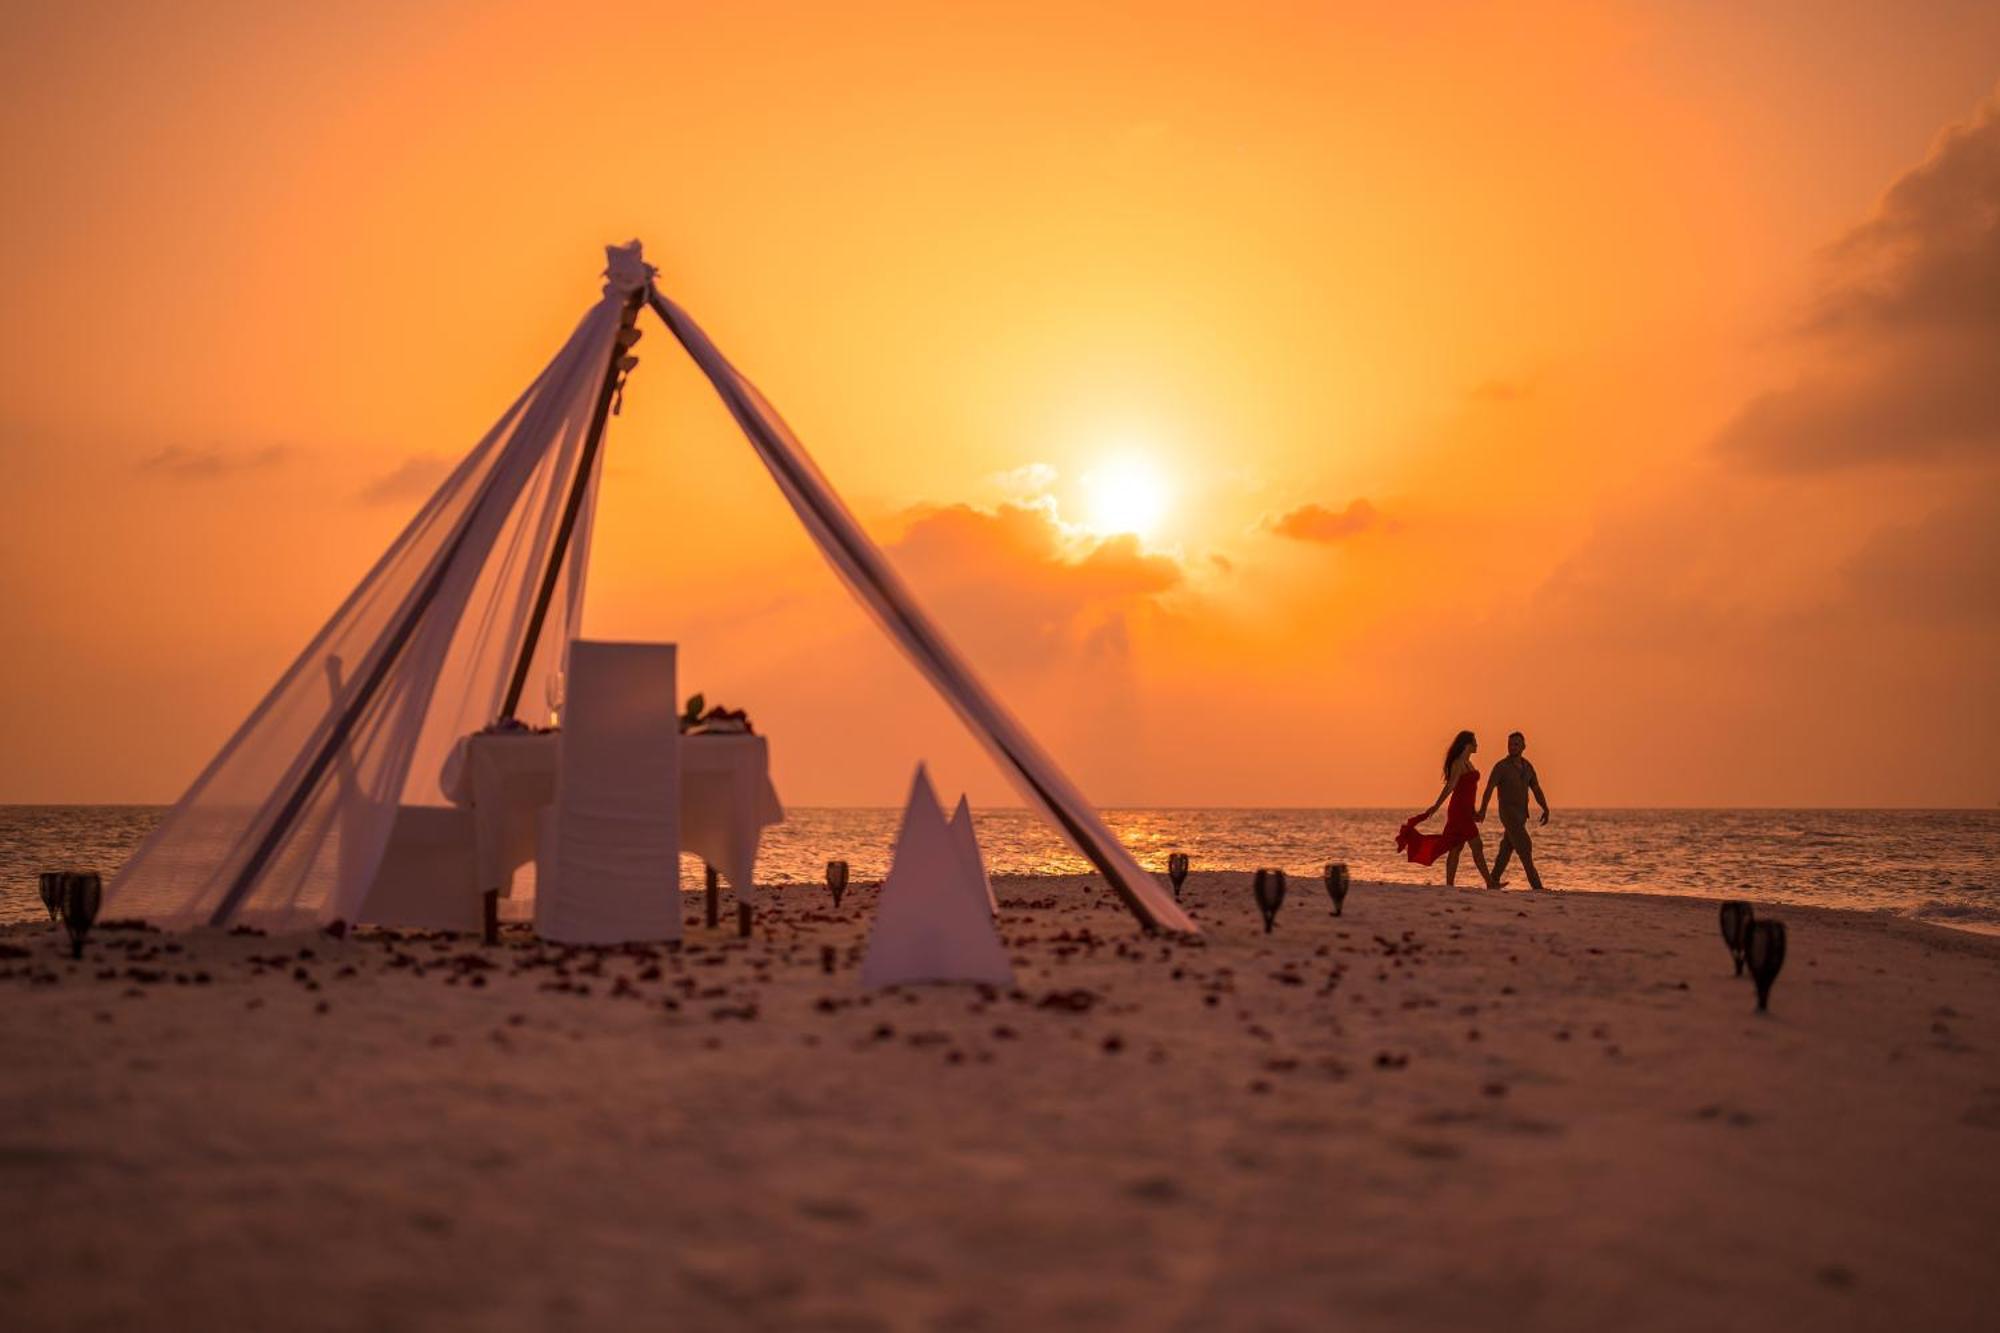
1514	777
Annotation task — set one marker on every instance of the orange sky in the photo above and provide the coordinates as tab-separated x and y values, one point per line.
1623	373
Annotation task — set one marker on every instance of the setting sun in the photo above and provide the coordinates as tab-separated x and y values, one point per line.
1125	495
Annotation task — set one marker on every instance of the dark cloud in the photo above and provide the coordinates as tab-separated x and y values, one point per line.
413	478
1317	523
181	462
1906	332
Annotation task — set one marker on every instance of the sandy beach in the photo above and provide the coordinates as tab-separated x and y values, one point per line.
1445	1109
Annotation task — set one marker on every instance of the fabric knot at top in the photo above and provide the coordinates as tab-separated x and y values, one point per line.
625	269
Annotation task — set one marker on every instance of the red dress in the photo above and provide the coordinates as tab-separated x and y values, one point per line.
1461	824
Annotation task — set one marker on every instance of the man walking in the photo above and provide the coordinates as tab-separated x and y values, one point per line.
1515	777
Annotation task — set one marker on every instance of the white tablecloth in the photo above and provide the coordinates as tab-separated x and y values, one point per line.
507	777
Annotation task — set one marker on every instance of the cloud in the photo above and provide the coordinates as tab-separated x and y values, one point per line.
1905	332
1023	590
413	478
1942	569
1026	547
179	462
1316	523
1026	481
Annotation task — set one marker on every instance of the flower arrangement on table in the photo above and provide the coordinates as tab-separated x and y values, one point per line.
699	720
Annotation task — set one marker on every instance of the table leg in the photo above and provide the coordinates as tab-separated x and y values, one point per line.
714	894
492	913
743	919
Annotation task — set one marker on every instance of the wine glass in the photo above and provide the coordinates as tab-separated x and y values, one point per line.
1764	950
1269	890
83	891
1737	917
553	690
1336	884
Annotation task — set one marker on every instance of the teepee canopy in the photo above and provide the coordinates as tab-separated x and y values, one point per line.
286	826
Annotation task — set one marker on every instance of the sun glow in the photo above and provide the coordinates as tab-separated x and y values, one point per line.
1127	494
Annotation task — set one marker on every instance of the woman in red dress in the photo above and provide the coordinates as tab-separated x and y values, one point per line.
1461	823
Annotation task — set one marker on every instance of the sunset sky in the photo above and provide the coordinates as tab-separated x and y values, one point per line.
1260	392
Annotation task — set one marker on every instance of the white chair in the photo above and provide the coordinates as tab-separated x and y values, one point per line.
427	879
608	870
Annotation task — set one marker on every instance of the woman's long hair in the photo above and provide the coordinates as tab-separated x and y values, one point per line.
1458	744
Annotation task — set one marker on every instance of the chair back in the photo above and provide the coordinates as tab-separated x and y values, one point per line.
609	872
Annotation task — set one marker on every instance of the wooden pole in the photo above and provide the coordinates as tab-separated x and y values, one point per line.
398	638
573	506
714	894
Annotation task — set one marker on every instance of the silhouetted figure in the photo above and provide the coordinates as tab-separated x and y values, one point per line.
1461	824
1515	777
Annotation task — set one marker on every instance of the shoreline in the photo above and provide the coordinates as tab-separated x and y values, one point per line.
1444	1108
1942	868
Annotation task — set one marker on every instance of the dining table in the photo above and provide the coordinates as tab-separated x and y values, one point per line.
506	778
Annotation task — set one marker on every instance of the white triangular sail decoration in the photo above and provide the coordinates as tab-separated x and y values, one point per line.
932	923
967	843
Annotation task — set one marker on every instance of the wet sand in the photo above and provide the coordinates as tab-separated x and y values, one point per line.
1445	1109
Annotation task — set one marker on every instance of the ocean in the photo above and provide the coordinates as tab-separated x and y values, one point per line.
1941	866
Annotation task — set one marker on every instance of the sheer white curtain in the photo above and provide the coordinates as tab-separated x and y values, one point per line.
286	826
869	576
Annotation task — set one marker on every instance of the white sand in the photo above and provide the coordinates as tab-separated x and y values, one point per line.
1511	1111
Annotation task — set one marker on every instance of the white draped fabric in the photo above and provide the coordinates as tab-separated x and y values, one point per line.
506	778
610	856
878	587
285	827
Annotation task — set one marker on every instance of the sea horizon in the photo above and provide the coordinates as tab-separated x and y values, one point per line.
1935	864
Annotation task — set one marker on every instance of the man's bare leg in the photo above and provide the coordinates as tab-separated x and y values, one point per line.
1524	847
1500	857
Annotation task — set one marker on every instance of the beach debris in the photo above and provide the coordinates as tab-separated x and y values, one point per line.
1177	870
836	880
1336	884
1736	918
82	892
1269	889
52	893
1764	951
1074	1001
